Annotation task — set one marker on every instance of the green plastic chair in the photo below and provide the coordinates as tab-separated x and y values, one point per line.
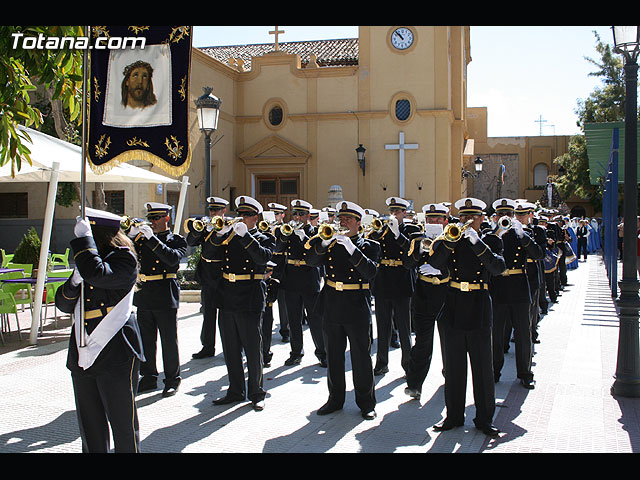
26	267
7	307
60	259
52	288
6	257
13	288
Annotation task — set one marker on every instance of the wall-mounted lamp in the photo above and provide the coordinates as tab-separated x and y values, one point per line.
478	167
361	160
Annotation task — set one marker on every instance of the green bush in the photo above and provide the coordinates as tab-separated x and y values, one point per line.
28	251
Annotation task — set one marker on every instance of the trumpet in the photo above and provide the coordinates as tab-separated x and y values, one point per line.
453	231
127	222
288	228
265	226
327	231
505	222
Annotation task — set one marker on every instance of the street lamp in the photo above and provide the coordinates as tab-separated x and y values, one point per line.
208	107
360	155
627	376
477	164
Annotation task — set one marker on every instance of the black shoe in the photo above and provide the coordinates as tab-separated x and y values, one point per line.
328	408
285	339
380	370
227	399
395	344
147	384
294	359
528	384
266	359
169	390
323	363
446	425
412	392
369	415
489	429
204	353
258	405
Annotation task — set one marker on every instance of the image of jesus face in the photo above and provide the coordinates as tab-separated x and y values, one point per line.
137	86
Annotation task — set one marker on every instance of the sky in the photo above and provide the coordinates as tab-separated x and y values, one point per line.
529	77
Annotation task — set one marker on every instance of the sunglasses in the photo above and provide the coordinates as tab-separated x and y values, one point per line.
156	217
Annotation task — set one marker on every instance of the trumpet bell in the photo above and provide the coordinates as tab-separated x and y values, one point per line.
505	222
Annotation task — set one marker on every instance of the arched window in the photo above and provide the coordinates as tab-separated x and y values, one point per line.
540	173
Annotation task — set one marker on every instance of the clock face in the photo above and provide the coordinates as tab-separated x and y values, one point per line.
402	38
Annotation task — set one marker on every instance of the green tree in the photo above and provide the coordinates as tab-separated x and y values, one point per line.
604	104
59	72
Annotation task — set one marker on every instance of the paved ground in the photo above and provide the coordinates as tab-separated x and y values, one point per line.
570	410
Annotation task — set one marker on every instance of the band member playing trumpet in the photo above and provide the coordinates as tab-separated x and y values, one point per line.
510	292
431	287
208	271
158	297
350	262
279	258
394	284
241	294
466	316
301	283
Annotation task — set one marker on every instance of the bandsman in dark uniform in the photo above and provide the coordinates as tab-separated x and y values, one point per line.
524	213
158	297
279	258
331	214
394	284
511	293
208	272
350	262
427	301
242	291
104	372
466	317
301	283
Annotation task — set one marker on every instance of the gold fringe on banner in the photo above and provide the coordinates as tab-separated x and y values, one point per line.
131	155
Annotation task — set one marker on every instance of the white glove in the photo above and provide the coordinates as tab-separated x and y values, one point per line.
472	235
86	353
240	228
346	243
209	226
300	233
76	278
146	231
427	269
133	231
224	230
393	226
326	243
517	226
82	228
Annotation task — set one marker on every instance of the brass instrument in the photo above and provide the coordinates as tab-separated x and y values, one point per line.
287	228
127	222
217	223
453	231
326	231
265	226
505	222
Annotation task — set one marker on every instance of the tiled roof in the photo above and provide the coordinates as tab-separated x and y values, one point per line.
340	52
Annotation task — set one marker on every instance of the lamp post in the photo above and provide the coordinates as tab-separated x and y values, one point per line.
627	376
208	107
477	164
360	155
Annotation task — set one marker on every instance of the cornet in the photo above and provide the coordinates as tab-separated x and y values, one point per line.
326	231
127	222
453	231
288	228
505	222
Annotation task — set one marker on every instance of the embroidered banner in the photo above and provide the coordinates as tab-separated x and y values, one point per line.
139	97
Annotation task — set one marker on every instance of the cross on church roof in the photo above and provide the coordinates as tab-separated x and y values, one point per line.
275	33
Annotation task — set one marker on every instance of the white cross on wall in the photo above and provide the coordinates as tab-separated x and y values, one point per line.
401	147
276	32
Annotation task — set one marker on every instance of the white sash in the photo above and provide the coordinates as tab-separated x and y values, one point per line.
104	332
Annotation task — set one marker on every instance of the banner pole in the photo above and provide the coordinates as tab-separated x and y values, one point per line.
83	169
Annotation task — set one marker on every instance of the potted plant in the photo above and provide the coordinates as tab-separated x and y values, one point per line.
28	251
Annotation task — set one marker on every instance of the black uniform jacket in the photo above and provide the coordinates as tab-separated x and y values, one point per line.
535	270
413	259
393	279
297	275
472	309
513	285
348	305
244	262
159	255
209	268
107	280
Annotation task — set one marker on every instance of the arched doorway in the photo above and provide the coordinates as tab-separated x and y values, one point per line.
578	211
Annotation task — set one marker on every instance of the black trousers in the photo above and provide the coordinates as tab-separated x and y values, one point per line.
336	336
477	345
390	311
517	316
242	331
297	303
424	323
282	312
209	317
166	323
108	399
267	331
534	313
582	247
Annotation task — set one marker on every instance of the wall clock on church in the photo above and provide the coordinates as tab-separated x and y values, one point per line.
402	39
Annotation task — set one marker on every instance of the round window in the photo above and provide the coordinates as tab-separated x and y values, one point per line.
403	109
275	116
